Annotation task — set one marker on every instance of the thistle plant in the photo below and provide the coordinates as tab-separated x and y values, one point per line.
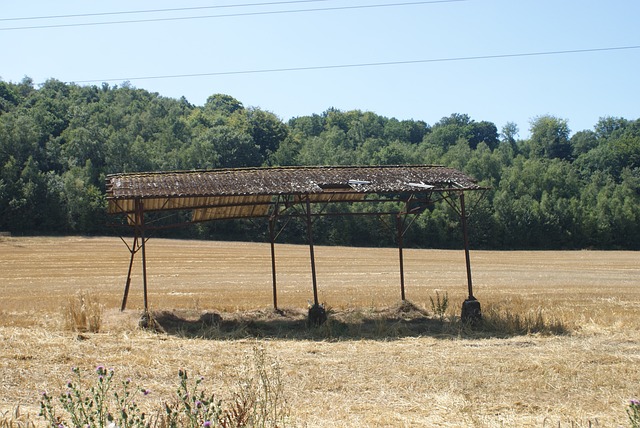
633	411
193	407
258	401
100	405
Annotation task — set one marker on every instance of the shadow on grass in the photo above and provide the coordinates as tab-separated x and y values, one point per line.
400	321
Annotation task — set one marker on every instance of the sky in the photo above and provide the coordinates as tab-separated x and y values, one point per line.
495	60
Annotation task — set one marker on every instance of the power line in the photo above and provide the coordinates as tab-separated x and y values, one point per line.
370	64
231	15
178	9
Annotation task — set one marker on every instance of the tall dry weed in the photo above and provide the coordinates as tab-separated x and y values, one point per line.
507	319
15	419
260	392
83	313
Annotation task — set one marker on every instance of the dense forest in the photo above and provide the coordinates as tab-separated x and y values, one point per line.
552	190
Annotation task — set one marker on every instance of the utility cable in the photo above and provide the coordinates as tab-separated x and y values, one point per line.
231	15
177	9
370	64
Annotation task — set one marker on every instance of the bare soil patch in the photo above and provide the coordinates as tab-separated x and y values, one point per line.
375	363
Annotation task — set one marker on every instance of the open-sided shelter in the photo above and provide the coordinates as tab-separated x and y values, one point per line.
284	192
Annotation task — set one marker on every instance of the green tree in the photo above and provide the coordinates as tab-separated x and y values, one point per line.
267	131
222	104
550	137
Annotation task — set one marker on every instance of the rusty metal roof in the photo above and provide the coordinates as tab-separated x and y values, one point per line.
248	192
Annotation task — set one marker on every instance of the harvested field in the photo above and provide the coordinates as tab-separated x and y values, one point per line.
375	363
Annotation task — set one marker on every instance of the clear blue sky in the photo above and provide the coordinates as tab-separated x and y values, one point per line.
504	86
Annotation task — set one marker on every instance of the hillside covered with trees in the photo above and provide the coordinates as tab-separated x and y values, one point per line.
553	190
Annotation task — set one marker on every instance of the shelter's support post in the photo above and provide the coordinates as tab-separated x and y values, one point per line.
133	251
138	244
400	228
140	224
470	307
317	313
272	238
312	254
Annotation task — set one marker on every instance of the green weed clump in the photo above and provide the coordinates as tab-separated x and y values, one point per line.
258	401
440	305
633	411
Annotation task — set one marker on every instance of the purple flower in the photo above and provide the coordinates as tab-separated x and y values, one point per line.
206	424
634	402
146	391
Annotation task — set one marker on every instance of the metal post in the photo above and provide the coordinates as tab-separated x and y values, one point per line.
311	253
126	287
465	235
400	245
272	226
140	224
471	311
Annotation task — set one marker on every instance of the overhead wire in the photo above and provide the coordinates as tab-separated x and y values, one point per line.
176	9
275	3
359	65
230	15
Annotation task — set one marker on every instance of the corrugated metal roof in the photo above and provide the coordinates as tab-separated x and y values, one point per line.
248	192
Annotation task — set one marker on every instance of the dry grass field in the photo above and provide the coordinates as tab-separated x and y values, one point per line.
372	364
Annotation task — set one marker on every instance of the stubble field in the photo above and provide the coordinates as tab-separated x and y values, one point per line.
369	365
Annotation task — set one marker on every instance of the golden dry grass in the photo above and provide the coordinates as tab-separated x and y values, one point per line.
371	369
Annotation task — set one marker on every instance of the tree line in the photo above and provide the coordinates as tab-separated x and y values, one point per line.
552	190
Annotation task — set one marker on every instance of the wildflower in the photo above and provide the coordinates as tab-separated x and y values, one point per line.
198	404
634	402
146	391
207	424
